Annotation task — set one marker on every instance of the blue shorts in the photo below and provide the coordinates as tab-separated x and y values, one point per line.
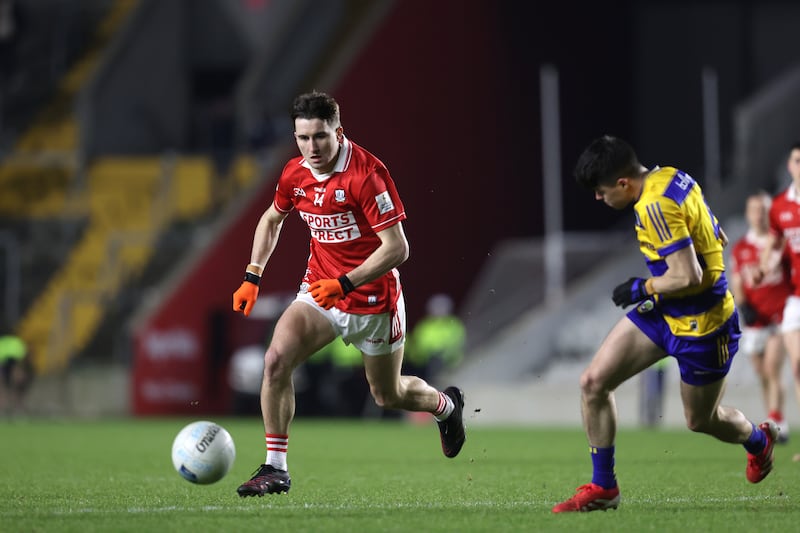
702	360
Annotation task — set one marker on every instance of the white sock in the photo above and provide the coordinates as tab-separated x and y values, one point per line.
445	407
277	446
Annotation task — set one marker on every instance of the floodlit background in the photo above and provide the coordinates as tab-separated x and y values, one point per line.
141	140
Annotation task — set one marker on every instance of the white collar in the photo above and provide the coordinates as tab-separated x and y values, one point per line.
791	194
753	238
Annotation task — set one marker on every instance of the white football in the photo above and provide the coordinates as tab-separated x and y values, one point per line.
203	452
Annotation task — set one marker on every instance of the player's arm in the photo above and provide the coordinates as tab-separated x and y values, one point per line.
265	239
737	286
723	237
392	251
775	241
683	271
746	311
737	289
266	236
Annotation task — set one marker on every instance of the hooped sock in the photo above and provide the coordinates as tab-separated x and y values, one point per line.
445	407
277	446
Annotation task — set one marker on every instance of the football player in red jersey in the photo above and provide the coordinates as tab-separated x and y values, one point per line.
784	222
351	286
761	305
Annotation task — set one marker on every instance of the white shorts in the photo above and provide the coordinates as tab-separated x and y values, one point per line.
754	340
791	314
372	334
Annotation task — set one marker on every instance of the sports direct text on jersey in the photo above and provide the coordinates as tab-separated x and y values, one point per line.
339	227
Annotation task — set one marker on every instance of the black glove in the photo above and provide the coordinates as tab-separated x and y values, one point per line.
748	314
630	292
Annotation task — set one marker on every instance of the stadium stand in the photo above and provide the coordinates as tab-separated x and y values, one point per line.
96	213
104	221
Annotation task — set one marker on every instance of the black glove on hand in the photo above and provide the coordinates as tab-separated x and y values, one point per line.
630	292
748	314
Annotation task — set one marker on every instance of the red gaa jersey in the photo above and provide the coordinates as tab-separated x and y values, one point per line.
344	211
769	296
784	219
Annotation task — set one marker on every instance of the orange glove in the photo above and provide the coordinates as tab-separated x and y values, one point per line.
245	296
326	292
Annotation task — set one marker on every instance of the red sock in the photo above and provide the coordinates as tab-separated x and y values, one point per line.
777	416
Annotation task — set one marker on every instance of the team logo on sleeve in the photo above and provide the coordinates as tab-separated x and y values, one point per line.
384	202
339	196
298	191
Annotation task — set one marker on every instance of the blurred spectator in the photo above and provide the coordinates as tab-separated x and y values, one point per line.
437	341
16	373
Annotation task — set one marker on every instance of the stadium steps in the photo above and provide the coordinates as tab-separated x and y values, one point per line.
37	179
55	129
37	176
33	189
195	208
119	210
54	34
64	314
130	202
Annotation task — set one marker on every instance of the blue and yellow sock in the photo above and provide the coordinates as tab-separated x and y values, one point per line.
603	467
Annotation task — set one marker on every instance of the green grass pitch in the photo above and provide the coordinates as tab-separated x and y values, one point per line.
364	476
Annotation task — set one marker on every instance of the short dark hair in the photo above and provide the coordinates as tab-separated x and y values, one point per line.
795	146
759	193
604	161
316	105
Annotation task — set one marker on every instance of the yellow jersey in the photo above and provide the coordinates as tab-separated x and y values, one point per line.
672	214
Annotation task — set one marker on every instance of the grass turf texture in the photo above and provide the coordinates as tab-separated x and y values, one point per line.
116	475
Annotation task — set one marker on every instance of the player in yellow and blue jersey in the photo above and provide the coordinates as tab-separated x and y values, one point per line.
684	310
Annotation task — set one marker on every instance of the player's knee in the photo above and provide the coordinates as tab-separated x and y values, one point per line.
592	386
385	398
698	424
380	399
275	367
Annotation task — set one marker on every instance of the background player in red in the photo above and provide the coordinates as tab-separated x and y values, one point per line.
784	222
761	305
351	287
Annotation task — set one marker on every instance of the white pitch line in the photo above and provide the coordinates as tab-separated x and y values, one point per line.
261	503
712	499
